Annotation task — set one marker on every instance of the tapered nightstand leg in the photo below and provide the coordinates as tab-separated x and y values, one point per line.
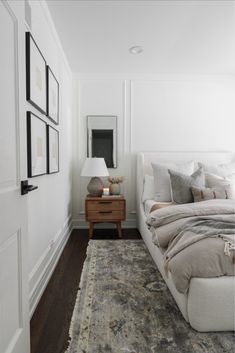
91	230
119	229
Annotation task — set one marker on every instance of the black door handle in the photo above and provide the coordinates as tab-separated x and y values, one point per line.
25	187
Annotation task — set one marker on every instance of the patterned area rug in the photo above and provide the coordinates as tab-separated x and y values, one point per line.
124	306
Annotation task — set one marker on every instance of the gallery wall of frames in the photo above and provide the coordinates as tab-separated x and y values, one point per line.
42	91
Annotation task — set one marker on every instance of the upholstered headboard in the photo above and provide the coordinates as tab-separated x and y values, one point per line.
144	160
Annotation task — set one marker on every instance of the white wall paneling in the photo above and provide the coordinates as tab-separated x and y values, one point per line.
46	212
43	269
101	97
158	112
50	206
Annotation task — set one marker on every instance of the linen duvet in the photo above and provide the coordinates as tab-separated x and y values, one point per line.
197	239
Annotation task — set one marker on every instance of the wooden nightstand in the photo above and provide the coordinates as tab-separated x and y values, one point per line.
105	210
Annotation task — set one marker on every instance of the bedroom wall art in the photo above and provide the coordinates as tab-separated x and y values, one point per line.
52	150
35	75
37	145
52	97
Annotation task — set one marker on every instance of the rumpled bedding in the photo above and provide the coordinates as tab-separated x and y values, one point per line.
197	240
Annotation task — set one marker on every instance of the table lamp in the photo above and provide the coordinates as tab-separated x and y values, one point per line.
95	168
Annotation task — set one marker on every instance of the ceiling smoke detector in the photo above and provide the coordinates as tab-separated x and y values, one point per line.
137	49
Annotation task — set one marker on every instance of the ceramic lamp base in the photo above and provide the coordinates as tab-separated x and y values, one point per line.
95	187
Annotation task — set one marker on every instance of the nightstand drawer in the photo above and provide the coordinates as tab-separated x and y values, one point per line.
106	215
105	205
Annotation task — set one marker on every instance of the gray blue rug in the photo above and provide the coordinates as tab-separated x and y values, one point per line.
124	306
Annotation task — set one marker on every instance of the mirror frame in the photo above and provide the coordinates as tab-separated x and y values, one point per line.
94	122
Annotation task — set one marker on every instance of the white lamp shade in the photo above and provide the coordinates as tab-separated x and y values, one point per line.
94	167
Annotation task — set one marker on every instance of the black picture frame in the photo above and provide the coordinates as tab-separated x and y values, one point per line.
36	88
52	97
53	158
36	145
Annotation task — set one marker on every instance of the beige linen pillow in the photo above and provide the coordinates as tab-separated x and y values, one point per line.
203	194
215	181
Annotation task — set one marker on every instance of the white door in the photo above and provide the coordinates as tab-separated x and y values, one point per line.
14	317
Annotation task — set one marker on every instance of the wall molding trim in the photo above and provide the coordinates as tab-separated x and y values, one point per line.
150	77
51	24
44	268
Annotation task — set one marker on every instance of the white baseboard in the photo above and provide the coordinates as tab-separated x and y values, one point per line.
42	271
80	223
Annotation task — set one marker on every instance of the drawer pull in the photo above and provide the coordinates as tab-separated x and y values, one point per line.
104	202
105	211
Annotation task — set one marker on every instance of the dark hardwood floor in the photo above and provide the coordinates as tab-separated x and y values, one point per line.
51	320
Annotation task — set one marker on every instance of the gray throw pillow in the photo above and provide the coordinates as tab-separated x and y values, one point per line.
203	194
181	185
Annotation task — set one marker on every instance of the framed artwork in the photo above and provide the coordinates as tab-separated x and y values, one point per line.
36	145
52	97
35	75
52	150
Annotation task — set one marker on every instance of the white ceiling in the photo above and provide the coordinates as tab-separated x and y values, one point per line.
177	36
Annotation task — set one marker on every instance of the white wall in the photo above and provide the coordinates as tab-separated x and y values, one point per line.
164	113
50	207
183	114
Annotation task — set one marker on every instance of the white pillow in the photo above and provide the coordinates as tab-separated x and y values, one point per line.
148	193
162	184
214	181
222	170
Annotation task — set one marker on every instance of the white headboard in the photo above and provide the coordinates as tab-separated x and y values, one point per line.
144	160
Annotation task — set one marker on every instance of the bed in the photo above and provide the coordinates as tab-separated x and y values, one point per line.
208	304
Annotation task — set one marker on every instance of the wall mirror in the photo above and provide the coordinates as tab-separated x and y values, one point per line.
102	138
